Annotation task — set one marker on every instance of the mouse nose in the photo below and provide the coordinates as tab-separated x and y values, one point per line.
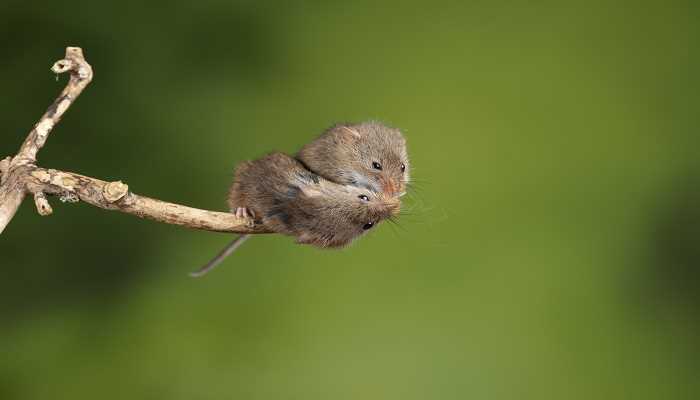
390	186
391	205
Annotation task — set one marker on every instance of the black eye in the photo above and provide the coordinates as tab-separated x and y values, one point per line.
363	197
368	225
377	165
403	168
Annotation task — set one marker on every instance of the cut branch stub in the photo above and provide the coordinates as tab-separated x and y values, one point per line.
42	204
114	191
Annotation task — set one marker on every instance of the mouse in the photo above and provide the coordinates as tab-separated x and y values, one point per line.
369	155
278	192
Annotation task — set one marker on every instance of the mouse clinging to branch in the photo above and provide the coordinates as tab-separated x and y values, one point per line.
340	185
278	191
367	155
284	197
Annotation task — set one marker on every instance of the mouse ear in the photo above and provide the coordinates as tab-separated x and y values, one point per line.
310	191
348	133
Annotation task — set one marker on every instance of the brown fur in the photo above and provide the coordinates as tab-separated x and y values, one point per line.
344	154
288	199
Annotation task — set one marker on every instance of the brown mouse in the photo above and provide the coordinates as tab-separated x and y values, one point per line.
286	198
369	155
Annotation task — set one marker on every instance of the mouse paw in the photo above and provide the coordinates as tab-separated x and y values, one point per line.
242	212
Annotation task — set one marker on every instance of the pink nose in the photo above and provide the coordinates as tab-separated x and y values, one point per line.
390	186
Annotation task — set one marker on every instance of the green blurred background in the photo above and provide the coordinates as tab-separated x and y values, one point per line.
550	248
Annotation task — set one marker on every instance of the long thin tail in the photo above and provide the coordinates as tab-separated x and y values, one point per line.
230	248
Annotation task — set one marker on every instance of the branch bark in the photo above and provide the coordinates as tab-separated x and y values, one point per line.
20	176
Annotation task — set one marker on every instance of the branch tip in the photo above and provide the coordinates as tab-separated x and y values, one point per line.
62	66
42	204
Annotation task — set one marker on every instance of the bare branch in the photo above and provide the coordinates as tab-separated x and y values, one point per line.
21	176
80	76
116	196
12	191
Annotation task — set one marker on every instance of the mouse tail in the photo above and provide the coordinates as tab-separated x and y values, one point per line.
227	251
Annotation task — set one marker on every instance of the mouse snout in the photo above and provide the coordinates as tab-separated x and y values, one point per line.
394	206
390	205
389	186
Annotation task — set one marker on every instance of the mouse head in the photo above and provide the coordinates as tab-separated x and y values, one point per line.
373	207
368	155
365	211
339	214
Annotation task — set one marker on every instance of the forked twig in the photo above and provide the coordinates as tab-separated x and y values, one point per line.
20	176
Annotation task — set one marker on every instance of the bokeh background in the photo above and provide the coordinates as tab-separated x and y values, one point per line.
550	247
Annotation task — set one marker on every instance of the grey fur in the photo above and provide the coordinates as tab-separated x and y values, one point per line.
344	154
316	211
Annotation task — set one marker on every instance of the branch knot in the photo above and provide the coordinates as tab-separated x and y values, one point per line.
114	191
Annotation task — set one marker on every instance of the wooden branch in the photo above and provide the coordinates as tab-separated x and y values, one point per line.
20	176
42	204
80	77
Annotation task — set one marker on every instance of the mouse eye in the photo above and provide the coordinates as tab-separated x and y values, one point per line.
363	197
403	168
368	225
377	165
